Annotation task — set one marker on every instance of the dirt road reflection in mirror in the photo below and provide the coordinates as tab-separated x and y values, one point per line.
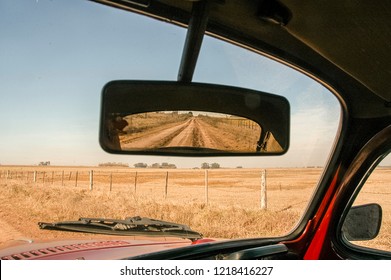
203	130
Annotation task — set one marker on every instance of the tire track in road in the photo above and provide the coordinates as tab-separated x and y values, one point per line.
210	138
187	137
196	134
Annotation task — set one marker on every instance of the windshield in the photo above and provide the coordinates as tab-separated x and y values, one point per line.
55	58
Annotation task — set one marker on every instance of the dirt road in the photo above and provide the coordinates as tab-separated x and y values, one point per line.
196	134
190	133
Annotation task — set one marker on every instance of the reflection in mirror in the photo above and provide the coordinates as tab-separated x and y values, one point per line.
189	130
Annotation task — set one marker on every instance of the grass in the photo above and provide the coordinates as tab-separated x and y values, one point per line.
233	200
56	204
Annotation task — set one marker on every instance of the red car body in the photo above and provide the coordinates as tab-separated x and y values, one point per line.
98	249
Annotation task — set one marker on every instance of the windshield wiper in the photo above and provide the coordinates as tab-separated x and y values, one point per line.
129	227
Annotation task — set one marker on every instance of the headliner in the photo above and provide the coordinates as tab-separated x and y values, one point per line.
344	44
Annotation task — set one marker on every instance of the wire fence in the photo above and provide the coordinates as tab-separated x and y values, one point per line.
256	188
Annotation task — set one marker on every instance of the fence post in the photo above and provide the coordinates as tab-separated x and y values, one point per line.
35	176
206	187
77	174
166	187
263	190
43	178
135	182
62	178
111	180
52	177
91	179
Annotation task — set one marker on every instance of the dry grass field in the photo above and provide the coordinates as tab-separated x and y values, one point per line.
231	208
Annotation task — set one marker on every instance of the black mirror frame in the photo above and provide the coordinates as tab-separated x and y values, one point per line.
119	96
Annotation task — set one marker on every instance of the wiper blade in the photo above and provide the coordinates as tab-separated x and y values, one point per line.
131	226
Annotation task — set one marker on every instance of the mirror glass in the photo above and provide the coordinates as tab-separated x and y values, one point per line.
188	130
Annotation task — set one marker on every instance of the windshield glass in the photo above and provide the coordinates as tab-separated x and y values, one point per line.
55	58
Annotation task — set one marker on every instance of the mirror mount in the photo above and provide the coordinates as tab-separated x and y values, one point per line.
193	42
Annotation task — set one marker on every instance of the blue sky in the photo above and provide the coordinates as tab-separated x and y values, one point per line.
55	57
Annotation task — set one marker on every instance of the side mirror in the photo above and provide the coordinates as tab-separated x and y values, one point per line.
362	222
192	119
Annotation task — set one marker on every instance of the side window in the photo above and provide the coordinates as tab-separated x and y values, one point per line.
375	192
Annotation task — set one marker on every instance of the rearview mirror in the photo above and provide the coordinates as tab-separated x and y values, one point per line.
171	118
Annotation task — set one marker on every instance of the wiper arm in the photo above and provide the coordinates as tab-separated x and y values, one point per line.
129	227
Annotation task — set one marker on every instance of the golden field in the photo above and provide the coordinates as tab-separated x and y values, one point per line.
229	208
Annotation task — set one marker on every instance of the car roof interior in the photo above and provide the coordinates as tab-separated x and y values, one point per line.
345	44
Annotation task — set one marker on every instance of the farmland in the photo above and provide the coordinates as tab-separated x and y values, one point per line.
223	203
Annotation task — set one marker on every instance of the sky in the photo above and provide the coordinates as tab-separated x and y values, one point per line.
55	57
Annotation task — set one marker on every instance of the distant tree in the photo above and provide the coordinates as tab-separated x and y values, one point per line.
113	164
140	165
163	165
215	165
205	165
